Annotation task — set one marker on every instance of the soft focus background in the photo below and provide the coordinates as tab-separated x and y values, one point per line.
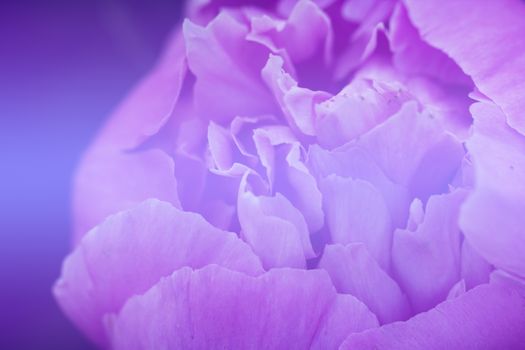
64	65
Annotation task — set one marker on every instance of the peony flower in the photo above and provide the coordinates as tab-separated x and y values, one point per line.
312	174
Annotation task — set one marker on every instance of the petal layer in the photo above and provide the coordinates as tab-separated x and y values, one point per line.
486	317
132	250
215	308
486	39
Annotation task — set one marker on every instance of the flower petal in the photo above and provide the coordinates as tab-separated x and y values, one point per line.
355	162
215	308
413	56
296	103
486	39
414	150
492	218
486	317
300	35
274	228
359	107
224	40
130	251
356	212
281	154
354	271
474	269
109	181
426	262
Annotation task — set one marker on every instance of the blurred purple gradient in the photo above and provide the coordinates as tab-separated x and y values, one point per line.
64	65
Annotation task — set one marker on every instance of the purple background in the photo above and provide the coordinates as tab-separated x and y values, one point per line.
64	65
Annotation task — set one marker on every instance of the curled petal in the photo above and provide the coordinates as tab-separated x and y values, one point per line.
359	107
224	40
300	36
274	228
296	103
281	154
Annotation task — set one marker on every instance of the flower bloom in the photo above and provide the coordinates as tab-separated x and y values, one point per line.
312	174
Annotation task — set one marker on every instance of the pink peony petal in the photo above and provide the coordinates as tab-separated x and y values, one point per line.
354	271
355	162
274	228
359	107
109	181
486	317
306	31
219	95
110	178
486	39
130	251
474	269
281	154
215	308
414	150
426	262
356	212
413	56
296	103
492	218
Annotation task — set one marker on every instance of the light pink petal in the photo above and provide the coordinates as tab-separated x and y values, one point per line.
474	269
215	308
413	56
492	218
296	103
130	251
274	228
414	150
426	261
266	139
358	50
355	162
354	271
109	181
110	178
486	39
359	107
446	103
306	31
301	188
357	213
484	318
242	129
282	155
220	143
220	95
